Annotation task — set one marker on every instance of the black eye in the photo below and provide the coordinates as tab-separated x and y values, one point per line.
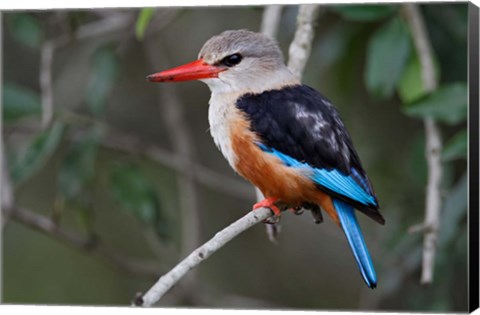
232	60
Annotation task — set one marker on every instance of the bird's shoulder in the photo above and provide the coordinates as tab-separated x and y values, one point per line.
299	121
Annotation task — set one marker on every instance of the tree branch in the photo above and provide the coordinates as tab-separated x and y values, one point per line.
107	25
301	45
46	62
203	175
271	20
168	280
117	140
433	146
91	245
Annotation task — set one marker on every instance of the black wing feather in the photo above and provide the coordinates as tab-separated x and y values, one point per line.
298	121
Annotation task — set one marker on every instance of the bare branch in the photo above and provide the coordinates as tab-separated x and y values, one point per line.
419	228
200	254
46	61
301	45
433	146
271	20
202	174
117	140
105	26
91	245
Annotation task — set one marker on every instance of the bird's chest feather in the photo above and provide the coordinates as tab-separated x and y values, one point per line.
231	131
221	114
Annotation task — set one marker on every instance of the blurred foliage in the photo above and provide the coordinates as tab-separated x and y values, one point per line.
104	72
136	194
364	60
19	102
78	167
393	65
387	54
26	29
365	13
36	153
144	18
456	147
411	86
448	104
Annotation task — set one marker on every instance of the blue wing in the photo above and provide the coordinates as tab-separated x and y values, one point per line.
347	186
333	180
303	129
351	228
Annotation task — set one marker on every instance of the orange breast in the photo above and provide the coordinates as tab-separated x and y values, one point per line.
269	174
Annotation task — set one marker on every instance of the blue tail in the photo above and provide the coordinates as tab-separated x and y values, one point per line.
350	226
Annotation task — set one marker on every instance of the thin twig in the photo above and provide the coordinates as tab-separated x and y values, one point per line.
46	62
91	245
433	146
202	174
108	25
301	45
271	20
117	140
111	24
200	254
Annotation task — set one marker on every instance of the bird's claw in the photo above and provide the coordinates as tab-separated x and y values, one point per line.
269	203
272	220
297	210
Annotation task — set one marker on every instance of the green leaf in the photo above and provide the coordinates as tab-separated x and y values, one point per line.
37	153
137	196
105	69
144	18
19	102
364	13
456	147
448	104
387	53
78	168
411	87
26	29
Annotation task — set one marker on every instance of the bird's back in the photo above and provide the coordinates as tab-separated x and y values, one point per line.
299	123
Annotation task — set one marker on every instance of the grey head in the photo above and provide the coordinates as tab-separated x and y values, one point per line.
253	62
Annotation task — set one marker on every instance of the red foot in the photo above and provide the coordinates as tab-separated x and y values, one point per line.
268	203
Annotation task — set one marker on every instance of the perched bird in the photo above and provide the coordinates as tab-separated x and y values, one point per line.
284	137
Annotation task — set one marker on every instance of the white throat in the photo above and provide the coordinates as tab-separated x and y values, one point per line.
225	92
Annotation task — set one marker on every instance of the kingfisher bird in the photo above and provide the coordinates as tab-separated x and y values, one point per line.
284	137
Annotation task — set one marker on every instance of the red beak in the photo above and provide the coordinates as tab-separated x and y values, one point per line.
198	69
